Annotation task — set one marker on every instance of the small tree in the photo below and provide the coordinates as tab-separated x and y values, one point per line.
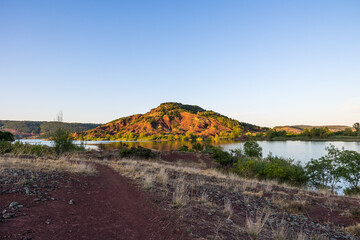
63	142
356	126
326	172
351	171
252	149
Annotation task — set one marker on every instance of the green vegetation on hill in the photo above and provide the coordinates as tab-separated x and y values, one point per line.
23	129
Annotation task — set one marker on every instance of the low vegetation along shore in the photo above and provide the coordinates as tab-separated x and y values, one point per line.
206	192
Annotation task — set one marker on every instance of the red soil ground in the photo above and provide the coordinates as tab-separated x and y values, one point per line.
106	206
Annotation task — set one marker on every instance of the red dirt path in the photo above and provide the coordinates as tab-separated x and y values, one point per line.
107	206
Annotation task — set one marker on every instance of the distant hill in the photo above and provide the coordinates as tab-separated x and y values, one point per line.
39	129
299	128
170	119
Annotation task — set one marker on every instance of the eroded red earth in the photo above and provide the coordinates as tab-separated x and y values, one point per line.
105	206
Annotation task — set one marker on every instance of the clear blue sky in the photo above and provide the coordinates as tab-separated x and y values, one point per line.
264	62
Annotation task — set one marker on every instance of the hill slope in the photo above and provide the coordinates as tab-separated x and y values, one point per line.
299	128
170	120
36	129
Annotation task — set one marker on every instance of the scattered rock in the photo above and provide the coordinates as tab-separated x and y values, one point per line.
13	204
71	201
228	220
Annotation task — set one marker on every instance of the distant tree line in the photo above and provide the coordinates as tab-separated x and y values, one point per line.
44	128
313	133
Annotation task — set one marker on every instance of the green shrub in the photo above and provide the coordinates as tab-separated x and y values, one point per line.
29	149
222	157
252	149
184	148
284	170
5	147
139	151
197	146
352	191
271	168
327	171
6	136
63	142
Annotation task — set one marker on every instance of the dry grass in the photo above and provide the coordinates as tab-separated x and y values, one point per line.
301	236
291	206
180	184
129	167
254	226
228	210
354	230
254	194
48	165
280	233
180	197
204	198
163	176
148	180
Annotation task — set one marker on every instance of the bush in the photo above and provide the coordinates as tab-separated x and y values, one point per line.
139	151
28	149
197	146
6	136
63	142
222	157
352	191
252	149
5	147
184	148
271	168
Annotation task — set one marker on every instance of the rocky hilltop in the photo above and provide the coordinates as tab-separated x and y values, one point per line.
170	120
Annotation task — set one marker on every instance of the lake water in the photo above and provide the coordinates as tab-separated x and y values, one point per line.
301	151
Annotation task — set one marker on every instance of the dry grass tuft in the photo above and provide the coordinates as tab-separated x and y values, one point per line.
204	197
291	206
148	180
180	197
354	230
255	194
48	165
280	233
318	237
228	210
162	176
254	226
301	236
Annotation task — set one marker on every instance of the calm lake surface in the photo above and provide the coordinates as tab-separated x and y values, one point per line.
301	151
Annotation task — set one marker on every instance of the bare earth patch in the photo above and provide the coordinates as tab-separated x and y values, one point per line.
54	204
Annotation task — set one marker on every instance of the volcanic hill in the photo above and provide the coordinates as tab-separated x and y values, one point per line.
168	121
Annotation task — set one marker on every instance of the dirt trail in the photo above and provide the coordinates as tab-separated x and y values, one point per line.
107	206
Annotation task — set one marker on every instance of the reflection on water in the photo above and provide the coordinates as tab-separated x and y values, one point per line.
301	151
156	145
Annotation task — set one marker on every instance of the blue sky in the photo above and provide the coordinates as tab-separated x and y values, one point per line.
263	62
